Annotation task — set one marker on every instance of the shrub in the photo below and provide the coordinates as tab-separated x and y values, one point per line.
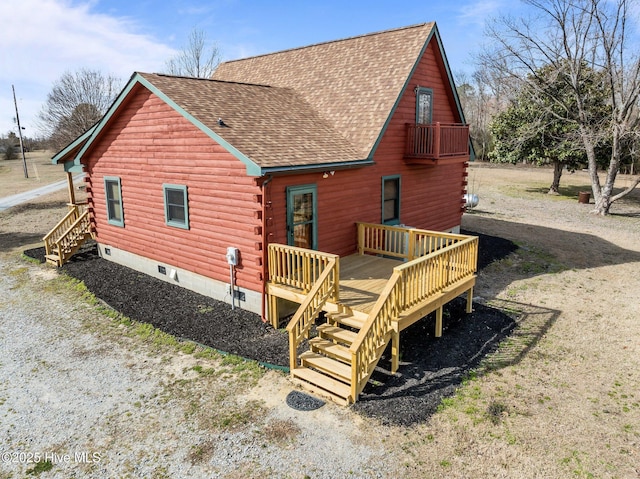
10	152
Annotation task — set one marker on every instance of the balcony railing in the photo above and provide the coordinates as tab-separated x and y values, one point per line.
437	140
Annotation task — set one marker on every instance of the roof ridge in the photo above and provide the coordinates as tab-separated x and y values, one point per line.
355	37
182	77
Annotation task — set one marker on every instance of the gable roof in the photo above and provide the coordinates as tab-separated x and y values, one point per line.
267	128
353	83
325	105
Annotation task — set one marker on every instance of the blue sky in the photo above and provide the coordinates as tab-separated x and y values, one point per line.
42	39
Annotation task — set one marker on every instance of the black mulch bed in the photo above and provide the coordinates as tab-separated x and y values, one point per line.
431	368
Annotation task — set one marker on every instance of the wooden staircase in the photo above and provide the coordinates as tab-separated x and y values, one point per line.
64	240
326	367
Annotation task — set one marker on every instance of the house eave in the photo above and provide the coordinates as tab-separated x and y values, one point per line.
318	167
66	154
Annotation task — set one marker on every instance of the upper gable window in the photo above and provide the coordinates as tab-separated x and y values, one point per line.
424	105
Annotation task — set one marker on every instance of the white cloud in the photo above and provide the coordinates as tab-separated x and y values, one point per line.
41	39
475	13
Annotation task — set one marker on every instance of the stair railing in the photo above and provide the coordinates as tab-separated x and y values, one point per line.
71	239
375	334
324	289
63	225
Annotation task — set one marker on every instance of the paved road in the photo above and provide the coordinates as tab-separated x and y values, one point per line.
9	201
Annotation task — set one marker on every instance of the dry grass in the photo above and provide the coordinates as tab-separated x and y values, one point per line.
281	431
561	398
41	172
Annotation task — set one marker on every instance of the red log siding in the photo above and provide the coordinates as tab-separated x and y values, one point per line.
431	196
149	144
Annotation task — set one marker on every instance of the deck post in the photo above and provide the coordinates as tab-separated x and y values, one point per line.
272	312
395	350
470	300
411	249
72	195
293	353
436	142
439	322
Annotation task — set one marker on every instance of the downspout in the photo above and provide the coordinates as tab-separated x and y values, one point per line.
265	241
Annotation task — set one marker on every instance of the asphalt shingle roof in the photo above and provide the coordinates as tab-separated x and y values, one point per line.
317	105
273	127
353	84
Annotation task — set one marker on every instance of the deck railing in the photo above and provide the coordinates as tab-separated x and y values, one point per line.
296	267
425	277
402	242
324	289
437	140
411	284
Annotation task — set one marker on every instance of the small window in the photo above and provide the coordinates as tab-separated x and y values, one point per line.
113	195
424	106
176	208
391	200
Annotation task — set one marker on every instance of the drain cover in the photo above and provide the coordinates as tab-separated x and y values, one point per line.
303	402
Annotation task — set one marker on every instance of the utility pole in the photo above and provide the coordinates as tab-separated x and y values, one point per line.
24	160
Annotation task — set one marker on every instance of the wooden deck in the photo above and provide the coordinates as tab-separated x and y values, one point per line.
362	280
398	277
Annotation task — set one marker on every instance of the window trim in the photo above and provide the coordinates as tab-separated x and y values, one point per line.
110	220
422	90
302	189
168	221
396	220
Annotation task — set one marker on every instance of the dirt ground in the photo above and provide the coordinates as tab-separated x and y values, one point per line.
561	395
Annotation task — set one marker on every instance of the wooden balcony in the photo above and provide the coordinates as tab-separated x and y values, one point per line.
428	143
398	277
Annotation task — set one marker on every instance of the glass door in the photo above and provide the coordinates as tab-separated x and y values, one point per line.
302	221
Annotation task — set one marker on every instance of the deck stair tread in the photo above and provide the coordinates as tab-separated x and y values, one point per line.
328	385
330	349
327	331
52	259
348	320
337	369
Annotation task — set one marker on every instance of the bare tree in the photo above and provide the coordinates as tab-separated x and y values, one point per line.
573	38
198	59
76	102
